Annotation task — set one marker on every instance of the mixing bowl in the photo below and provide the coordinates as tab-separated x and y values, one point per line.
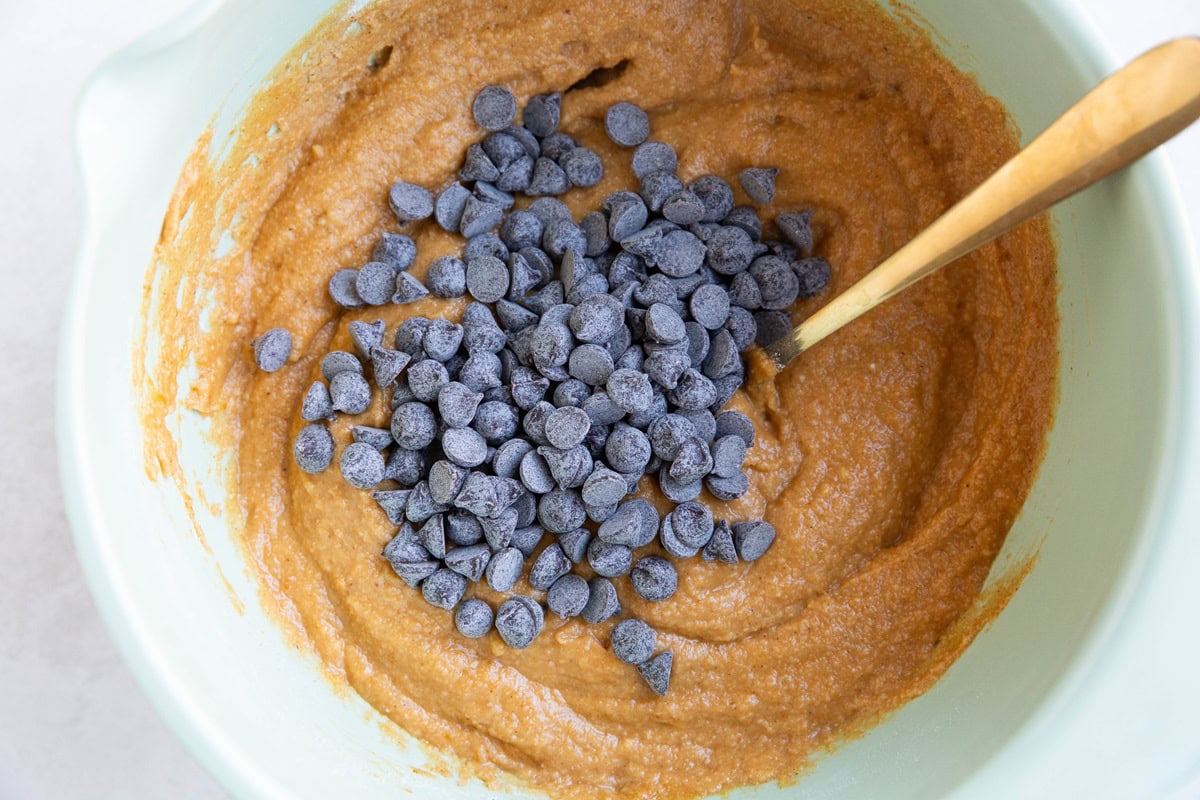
1084	685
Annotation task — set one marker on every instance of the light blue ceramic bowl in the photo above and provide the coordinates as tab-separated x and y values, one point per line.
1084	687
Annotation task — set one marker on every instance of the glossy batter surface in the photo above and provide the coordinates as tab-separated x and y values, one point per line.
892	458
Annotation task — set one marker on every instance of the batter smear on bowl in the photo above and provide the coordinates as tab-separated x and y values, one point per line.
888	463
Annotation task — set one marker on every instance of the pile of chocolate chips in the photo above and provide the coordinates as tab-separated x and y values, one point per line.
594	353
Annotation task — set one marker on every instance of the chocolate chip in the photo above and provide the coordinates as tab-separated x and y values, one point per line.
410	202
602	410
494	108
582	167
405	466
634	524
633	641
413	572
495	421
444	588
797	228
375	283
560	236
741	327
473	618
462	528
595	230
317	404
683	208
692	461
626	124
735	423
499	530
341	288
479	216
567	427
518	621
591	364
503	149
432	535
657	188
759	184
550	565
477	167
668	433
681	254
457	404
379	438
387	365
726	489
602	603
485	244
709	306
627	214
627	449
570	467
481	371
408	289
813	274
608	560
664	325
421	505
504	569
450	202
445	480
541	114
535	473
548	179
487	279
777	282
703	421
313	448
413	426
728	454
404	546
426	379
692	524
509	455
630	390
567	596
603	487
350	392
666	366
526	539
675	491
697	343
721	547
469	561
651	157
752	539
654	578
574	544
272	349
657	672
561	510
716	196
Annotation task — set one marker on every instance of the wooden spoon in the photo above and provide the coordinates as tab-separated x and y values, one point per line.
1133	111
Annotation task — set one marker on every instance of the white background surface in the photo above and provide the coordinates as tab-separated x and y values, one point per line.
73	724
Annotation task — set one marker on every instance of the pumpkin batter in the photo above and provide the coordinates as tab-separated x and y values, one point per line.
892	458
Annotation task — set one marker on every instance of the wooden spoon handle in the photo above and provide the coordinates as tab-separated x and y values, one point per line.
1133	111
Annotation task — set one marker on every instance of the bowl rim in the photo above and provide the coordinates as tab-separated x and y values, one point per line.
241	775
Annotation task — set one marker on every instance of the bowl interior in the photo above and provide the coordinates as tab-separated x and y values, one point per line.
185	609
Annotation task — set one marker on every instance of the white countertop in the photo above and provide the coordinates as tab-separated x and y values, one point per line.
73	724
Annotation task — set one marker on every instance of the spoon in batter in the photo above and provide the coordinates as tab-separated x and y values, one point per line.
1129	114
